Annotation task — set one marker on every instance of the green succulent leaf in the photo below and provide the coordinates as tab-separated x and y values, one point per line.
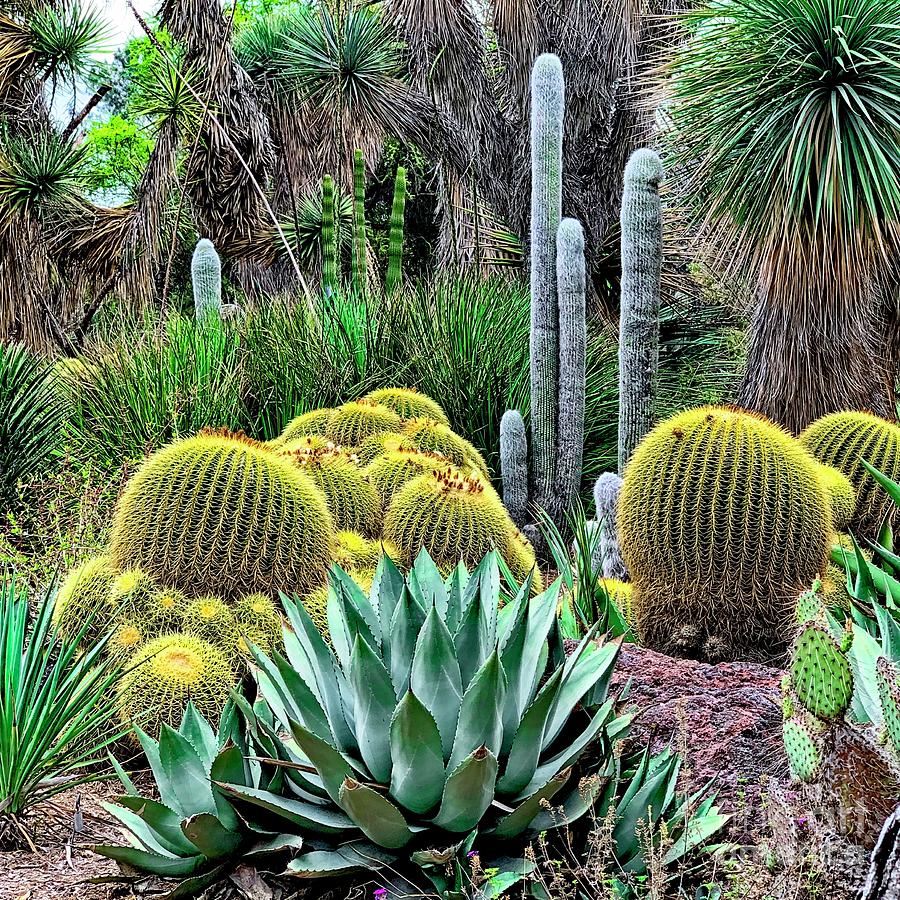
209	836
333	769
409	617
427	585
481	713
468	792
185	773
387	587
142	835
374	703
199	733
164	822
167	867
378	819
350	858
418	773
517	822
435	677
574	805
315	817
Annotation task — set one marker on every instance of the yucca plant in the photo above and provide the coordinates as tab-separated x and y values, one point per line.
793	184
192	834
57	711
31	416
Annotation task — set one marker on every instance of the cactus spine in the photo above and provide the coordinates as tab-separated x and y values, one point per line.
639	317
558	329
358	272
206	280
514	466
547	113
398	213
329	238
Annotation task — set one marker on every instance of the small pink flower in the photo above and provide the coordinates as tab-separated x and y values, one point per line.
380	893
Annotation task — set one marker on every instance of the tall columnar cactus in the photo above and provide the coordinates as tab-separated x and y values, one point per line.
330	265
514	466
570	268
843	440
606	500
360	241
723	521
641	221
395	251
206	279
558	324
547	114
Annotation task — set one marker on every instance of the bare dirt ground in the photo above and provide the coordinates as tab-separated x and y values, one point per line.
63	865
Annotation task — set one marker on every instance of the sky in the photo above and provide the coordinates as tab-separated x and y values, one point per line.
120	18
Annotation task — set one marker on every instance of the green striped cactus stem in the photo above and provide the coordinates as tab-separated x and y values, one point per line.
360	241
606	500
641	221
206	280
395	253
329	238
547	113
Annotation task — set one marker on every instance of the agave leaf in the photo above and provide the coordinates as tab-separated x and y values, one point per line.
417	777
142	835
516	822
374	702
163	866
309	655
435	679
379	820
574	805
468	792
571	752
541	616
481	713
345	620
200	734
645	806
356	596
473	639
333	769
167	792
588	668
427	584
525	750
698	831
185	773
511	618
315	818
357	857
229	765
164	822
210	837
409	617
276	844
387	588
298	692
122	775
456	588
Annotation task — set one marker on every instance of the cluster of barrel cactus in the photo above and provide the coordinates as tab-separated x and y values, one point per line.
213	527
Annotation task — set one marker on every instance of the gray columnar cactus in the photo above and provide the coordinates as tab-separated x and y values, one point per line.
570	268
558	328
606	499
639	316
514	466
206	279
547	112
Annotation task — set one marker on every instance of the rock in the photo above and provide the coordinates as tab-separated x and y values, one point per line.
726	717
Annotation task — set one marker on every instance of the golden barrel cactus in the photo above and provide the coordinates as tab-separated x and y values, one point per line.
221	513
842	494
433	437
394	468
843	440
408	403
85	593
356	552
453	516
311	424
354	503
350	424
212	619
165	673
723	520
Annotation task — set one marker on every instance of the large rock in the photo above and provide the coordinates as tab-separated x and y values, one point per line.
727	717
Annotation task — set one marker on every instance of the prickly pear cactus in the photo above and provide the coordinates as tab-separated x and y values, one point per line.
803	749
821	675
887	679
